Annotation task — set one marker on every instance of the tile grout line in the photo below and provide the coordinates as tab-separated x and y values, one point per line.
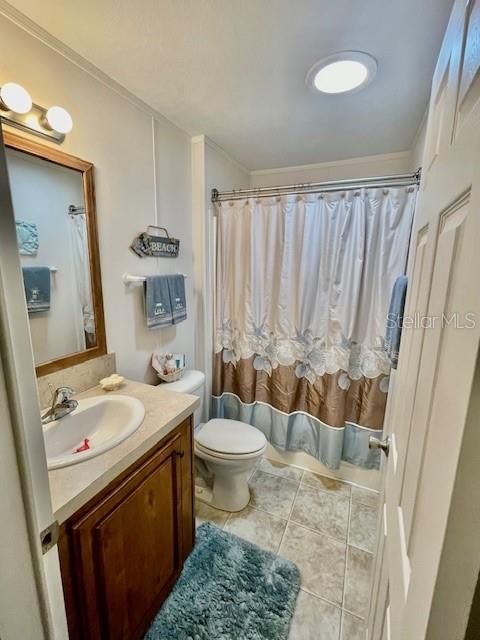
309	486
324	475
324	490
346	563
313	489
290	514
226	521
288	520
323	599
279	475
274	475
297	524
354	615
267	513
319	533
327	491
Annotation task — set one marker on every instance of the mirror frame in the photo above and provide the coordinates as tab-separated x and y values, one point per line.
19	143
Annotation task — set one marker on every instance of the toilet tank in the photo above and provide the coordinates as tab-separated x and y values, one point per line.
192	382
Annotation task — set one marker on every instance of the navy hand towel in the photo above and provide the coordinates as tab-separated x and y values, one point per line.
393	333
36	281
177	297
158	308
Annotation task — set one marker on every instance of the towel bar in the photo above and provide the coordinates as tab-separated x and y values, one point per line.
129	279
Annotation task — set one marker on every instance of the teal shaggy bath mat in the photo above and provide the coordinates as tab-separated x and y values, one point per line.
229	589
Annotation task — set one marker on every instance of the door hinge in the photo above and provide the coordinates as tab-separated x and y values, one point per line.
49	537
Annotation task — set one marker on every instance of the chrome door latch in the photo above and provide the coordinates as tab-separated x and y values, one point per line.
384	445
49	537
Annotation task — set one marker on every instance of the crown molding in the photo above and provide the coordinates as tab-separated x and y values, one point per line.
215	147
32	28
398	155
420	130
208	142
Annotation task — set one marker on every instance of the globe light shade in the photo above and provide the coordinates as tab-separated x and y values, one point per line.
15	98
59	119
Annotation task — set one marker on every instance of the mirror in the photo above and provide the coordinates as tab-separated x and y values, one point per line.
54	205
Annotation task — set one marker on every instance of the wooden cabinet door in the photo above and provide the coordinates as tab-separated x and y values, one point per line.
128	548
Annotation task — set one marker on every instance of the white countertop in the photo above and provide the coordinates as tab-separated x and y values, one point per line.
72	487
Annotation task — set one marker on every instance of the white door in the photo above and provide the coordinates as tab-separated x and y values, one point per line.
31	599
428	408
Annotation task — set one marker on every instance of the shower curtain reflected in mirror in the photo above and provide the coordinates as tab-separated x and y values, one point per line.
84	315
303	285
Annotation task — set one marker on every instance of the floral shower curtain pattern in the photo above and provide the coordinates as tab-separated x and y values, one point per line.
302	292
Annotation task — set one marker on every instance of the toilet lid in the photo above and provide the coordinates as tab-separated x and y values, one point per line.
230	436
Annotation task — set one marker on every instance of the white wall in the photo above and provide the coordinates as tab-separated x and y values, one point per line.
116	132
41	194
368	166
222	171
416	154
211	168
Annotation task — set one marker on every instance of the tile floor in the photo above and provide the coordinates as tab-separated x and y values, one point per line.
328	528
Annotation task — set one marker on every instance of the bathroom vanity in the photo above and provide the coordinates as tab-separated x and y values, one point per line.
127	520
120	463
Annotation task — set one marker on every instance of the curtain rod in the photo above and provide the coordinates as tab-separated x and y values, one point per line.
400	180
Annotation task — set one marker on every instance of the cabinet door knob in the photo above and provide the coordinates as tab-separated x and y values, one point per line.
180	454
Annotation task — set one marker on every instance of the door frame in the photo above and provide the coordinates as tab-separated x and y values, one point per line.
27	506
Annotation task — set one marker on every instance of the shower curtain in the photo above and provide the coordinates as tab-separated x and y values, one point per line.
303	284
81	269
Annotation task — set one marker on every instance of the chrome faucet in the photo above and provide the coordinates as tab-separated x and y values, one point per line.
62	405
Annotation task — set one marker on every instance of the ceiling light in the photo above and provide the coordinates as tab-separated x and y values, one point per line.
59	119
15	98
342	72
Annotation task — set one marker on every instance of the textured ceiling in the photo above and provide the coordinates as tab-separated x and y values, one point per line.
234	69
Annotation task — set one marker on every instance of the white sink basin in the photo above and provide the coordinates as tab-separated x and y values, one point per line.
104	421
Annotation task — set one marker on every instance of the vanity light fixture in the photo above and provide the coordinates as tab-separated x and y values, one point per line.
18	110
343	72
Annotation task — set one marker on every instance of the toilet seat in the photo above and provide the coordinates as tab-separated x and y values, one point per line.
199	450
230	439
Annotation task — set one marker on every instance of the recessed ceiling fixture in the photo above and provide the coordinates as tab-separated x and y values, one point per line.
346	71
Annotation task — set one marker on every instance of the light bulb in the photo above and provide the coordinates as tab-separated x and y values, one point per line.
59	119
340	76
342	72
15	97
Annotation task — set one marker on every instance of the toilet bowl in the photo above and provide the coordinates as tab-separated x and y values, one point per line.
226	451
229	449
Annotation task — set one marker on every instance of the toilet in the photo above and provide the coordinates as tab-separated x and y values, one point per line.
226	451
